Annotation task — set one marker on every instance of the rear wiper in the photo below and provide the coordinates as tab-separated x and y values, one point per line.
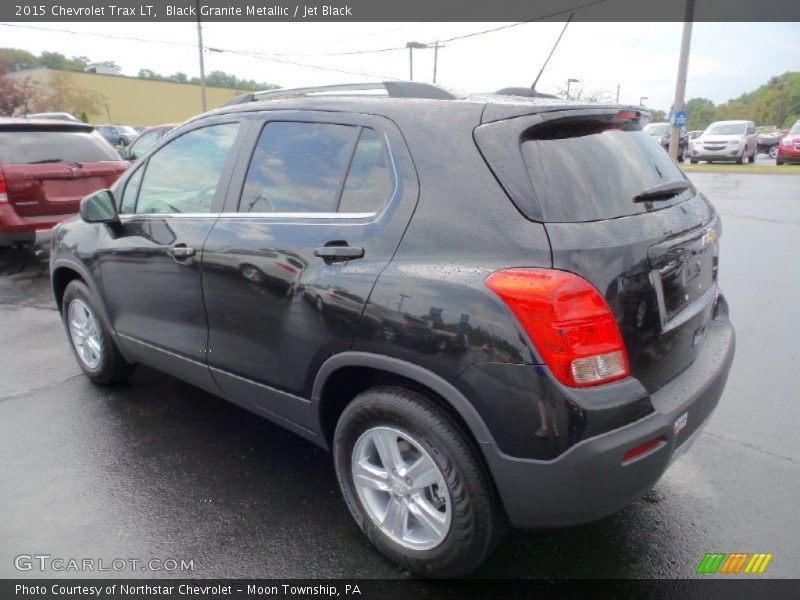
662	191
57	160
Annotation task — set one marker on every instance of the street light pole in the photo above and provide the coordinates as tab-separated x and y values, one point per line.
680	85
435	59
202	65
411	46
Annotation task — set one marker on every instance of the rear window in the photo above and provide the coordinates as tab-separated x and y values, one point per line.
582	172
19	147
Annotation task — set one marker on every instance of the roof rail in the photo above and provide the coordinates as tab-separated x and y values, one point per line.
392	89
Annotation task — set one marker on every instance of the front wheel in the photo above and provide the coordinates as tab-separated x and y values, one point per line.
752	158
773	151
91	342
414	484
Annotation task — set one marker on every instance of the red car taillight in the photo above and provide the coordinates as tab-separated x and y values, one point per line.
568	321
3	190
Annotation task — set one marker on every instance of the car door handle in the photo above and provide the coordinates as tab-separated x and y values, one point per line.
339	253
181	253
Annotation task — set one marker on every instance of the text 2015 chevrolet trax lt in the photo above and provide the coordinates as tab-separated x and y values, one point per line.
490	309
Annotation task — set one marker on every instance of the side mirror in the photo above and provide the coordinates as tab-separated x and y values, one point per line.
99	207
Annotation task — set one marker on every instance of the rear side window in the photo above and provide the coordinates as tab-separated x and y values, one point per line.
317	168
20	146
590	173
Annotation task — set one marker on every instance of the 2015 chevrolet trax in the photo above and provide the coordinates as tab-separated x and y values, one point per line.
491	309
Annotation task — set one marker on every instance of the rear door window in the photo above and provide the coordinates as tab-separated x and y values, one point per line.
593	172
300	167
21	146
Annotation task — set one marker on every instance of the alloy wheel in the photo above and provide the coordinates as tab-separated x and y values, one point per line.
84	333
401	488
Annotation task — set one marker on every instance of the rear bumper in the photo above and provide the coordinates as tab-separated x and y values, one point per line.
589	481
26	230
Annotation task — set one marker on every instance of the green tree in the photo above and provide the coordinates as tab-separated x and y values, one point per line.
16	60
56	60
700	113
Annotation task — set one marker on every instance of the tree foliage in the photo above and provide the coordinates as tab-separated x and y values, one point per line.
776	104
17	60
18	95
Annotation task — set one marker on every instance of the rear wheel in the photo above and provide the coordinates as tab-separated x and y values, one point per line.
91	342
773	151
693	161
752	158
414	484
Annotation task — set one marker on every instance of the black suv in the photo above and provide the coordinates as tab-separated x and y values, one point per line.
490	309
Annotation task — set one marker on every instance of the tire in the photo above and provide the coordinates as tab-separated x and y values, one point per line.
773	151
693	161
109	367
468	524
741	159
778	162
752	158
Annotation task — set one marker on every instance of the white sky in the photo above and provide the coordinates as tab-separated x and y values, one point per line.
727	58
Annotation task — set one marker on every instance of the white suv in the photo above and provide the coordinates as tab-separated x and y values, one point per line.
726	140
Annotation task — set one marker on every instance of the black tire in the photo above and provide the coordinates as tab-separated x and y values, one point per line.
476	522
778	162
773	151
752	158
693	161
113	368
741	158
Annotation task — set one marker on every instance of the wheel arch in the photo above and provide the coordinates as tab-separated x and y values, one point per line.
62	272
345	375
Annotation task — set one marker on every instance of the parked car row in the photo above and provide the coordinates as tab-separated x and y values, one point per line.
50	161
737	141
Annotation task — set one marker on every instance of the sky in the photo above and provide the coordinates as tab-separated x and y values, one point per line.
727	59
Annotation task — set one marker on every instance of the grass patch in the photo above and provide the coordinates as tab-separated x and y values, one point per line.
734	168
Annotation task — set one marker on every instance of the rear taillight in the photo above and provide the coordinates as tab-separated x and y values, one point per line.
568	321
3	191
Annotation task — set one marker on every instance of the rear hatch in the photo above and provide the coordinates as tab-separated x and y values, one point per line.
620	213
49	168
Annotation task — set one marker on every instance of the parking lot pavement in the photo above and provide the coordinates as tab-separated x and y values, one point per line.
157	468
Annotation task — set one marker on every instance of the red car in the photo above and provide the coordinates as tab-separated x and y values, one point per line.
46	168
789	148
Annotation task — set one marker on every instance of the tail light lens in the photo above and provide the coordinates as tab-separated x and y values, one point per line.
3	191
569	322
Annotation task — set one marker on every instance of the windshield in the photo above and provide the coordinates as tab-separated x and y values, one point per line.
795	128
657	129
726	129
589	173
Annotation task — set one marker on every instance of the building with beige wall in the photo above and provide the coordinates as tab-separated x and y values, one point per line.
130	100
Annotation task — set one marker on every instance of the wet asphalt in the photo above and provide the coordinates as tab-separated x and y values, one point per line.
159	469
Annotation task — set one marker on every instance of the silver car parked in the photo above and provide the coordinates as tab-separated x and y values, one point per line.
726	140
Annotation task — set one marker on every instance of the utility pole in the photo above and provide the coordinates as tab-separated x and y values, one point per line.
680	86
618	86
202	65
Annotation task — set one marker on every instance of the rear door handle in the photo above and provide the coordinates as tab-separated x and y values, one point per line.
339	253
181	253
